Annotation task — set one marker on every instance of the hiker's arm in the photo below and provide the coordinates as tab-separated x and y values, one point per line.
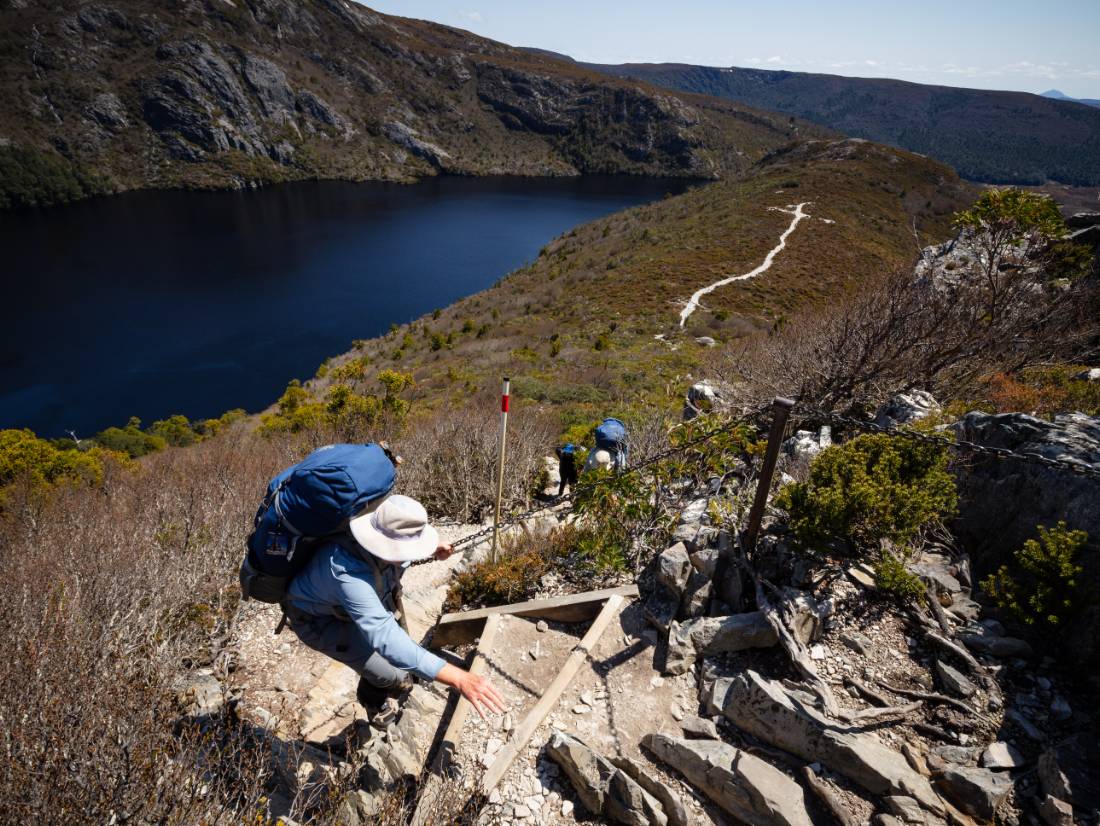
381	631
481	693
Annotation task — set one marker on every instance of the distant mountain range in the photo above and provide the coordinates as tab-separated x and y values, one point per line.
1054	94
995	137
108	96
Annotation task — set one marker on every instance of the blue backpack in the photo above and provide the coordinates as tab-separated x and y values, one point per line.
307	502
569	449
611	435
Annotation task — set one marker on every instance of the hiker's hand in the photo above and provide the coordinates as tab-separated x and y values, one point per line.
482	694
444	551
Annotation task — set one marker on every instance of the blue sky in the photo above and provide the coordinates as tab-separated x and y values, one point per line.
986	44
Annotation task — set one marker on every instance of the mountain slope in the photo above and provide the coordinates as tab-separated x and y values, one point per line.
997	137
1055	94
139	93
595	319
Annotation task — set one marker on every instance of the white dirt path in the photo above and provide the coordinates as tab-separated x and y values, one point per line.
794	210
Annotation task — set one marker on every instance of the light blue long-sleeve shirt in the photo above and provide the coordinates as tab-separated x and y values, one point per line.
338	583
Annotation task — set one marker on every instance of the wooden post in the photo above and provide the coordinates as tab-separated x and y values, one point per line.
781	410
504	404
444	757
523	733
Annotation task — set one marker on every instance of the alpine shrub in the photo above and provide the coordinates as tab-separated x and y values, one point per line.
1040	587
872	488
894	579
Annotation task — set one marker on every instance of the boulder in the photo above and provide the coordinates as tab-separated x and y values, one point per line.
743	785
959	755
402	752
199	694
1002	501
997	646
769	712
954	681
908	811
1055	812
692	527
660	607
935	570
858	642
605	789
358	808
673	806
716	635
906	408
699	728
1080	220
1068	771
696	596
1001	755
674	567
807	615
978	792
705	561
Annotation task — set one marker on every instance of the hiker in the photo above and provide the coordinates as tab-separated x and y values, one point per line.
598	460
336	606
567	467
611	437
329	546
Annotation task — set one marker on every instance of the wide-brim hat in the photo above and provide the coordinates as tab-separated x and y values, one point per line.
396	531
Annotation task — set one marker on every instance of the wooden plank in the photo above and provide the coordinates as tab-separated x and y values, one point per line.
454	629
549	699
444	756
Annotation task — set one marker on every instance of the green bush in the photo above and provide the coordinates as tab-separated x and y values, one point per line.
32	178
131	440
175	430
873	488
894	579
22	454
523	560
1041	587
342	408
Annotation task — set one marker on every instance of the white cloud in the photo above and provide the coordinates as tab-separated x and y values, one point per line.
472	16
774	59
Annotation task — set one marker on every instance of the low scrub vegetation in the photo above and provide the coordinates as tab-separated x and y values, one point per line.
868	490
894	579
523	559
1041	585
1008	311
30	178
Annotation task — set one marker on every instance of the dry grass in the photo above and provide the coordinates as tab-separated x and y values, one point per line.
113	591
901	335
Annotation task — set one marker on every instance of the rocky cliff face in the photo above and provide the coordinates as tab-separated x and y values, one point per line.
220	93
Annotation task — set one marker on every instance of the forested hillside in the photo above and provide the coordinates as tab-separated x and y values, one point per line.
134	93
997	137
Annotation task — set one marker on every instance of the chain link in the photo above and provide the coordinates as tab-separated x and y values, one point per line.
1000	453
516	519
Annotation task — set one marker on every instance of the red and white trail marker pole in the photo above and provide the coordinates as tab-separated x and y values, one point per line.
504	404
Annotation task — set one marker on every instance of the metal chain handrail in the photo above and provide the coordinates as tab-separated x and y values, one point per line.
999	453
1079	468
516	519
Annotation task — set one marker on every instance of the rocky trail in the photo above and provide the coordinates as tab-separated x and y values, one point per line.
688	710
797	213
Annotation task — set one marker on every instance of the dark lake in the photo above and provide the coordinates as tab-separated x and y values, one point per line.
154	303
